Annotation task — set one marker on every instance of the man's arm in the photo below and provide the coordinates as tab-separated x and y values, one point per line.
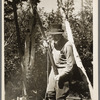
70	61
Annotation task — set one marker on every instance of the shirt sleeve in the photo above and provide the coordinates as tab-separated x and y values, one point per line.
70	60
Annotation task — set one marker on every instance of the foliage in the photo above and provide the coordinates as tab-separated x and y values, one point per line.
82	31
68	8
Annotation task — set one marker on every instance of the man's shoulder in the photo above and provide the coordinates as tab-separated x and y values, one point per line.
68	43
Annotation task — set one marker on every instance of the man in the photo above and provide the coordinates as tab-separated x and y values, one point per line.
58	86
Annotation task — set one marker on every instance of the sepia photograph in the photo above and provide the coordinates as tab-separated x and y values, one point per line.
48	50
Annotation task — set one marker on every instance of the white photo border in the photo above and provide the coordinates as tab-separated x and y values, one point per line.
95	50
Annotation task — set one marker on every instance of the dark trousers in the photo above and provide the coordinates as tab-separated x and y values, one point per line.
59	94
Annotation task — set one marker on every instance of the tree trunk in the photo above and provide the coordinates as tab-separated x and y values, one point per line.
29	54
20	48
17	29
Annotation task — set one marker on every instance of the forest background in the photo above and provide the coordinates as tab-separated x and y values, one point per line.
17	28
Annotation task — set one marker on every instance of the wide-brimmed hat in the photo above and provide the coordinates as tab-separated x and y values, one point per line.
56	29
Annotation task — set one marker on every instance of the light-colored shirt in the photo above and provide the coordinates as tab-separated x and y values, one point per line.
64	58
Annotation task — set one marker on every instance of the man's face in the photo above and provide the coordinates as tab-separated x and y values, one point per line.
56	37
